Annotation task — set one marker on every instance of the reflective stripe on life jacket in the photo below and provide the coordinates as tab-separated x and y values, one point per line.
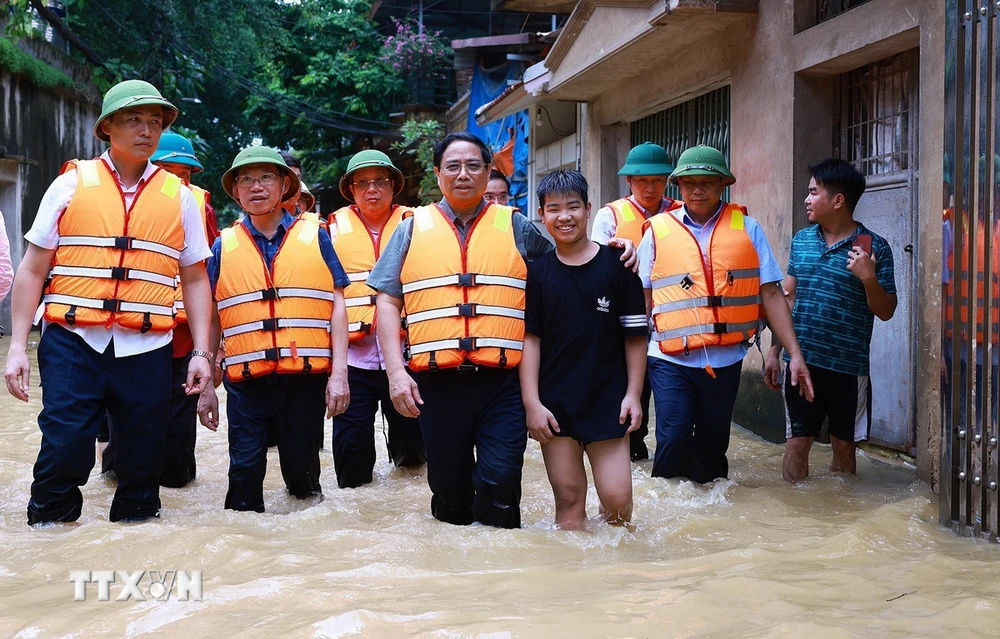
277	321
629	220
115	265
358	250
464	303
704	301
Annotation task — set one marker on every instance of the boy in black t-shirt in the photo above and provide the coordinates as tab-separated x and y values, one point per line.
584	358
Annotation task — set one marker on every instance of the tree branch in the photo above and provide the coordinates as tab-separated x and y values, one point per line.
49	16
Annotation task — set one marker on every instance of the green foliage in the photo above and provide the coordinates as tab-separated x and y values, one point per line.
417	140
305	75
38	73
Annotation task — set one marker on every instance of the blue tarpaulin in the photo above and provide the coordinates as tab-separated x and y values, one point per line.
487	84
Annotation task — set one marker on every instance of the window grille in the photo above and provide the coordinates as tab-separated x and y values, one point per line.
703	120
826	9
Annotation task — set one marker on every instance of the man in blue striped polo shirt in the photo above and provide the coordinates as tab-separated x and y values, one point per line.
840	277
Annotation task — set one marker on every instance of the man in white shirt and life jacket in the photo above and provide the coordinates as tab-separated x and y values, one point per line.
360	232
458	269
646	170
111	237
279	290
710	279
175	154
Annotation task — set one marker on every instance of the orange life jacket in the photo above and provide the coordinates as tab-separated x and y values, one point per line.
277	321
358	250
629	220
704	301
464	302
964	275
201	197
115	265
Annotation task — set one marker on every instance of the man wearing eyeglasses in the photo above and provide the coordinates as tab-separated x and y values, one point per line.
458	269
498	188
361	232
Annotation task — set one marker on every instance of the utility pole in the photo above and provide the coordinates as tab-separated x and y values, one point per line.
420	18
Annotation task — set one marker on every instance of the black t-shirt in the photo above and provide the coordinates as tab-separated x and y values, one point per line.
582	315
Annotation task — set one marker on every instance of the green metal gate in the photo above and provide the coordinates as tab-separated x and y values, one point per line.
971	281
703	120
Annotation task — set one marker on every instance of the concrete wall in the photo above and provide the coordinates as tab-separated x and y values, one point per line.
39	130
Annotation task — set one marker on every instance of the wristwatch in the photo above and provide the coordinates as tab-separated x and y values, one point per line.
206	354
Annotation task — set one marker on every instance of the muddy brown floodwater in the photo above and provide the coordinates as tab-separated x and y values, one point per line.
750	557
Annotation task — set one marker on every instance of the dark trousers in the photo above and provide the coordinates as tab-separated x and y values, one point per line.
693	417
182	429
293	407
81	387
475	434
637	438
354	430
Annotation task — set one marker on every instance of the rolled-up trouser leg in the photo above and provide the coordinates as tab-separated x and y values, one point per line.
251	422
354	429
74	380
446	422
182	428
138	400
298	403
501	436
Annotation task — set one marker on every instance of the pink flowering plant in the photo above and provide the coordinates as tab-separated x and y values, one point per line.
411	53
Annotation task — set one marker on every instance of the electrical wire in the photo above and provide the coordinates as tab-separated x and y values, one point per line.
553	126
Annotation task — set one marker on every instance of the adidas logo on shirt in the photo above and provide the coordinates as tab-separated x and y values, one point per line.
603	305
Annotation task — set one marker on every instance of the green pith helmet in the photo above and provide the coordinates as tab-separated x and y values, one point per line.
368	159
702	160
176	149
646	159
133	93
259	155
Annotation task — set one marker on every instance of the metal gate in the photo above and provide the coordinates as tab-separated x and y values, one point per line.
702	120
971	281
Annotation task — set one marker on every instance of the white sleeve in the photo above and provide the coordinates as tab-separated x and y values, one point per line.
196	247
44	231
647	254
604	226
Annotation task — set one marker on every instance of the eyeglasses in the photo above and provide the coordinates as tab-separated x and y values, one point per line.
265	180
379	183
454	168
500	198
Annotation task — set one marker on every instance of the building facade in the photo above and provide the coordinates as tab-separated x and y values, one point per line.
776	85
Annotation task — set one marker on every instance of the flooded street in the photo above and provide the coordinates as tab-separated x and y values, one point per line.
750	557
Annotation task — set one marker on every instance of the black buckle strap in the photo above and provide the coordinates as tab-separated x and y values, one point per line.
269	294
466	279
432	362
715	300
246	371
503	358
730	278
306	366
687	283
719	328
270	324
70	315
365	328
463	369
271	355
112	306
372	298
467	344
467	310
119	273
147	323
123	243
